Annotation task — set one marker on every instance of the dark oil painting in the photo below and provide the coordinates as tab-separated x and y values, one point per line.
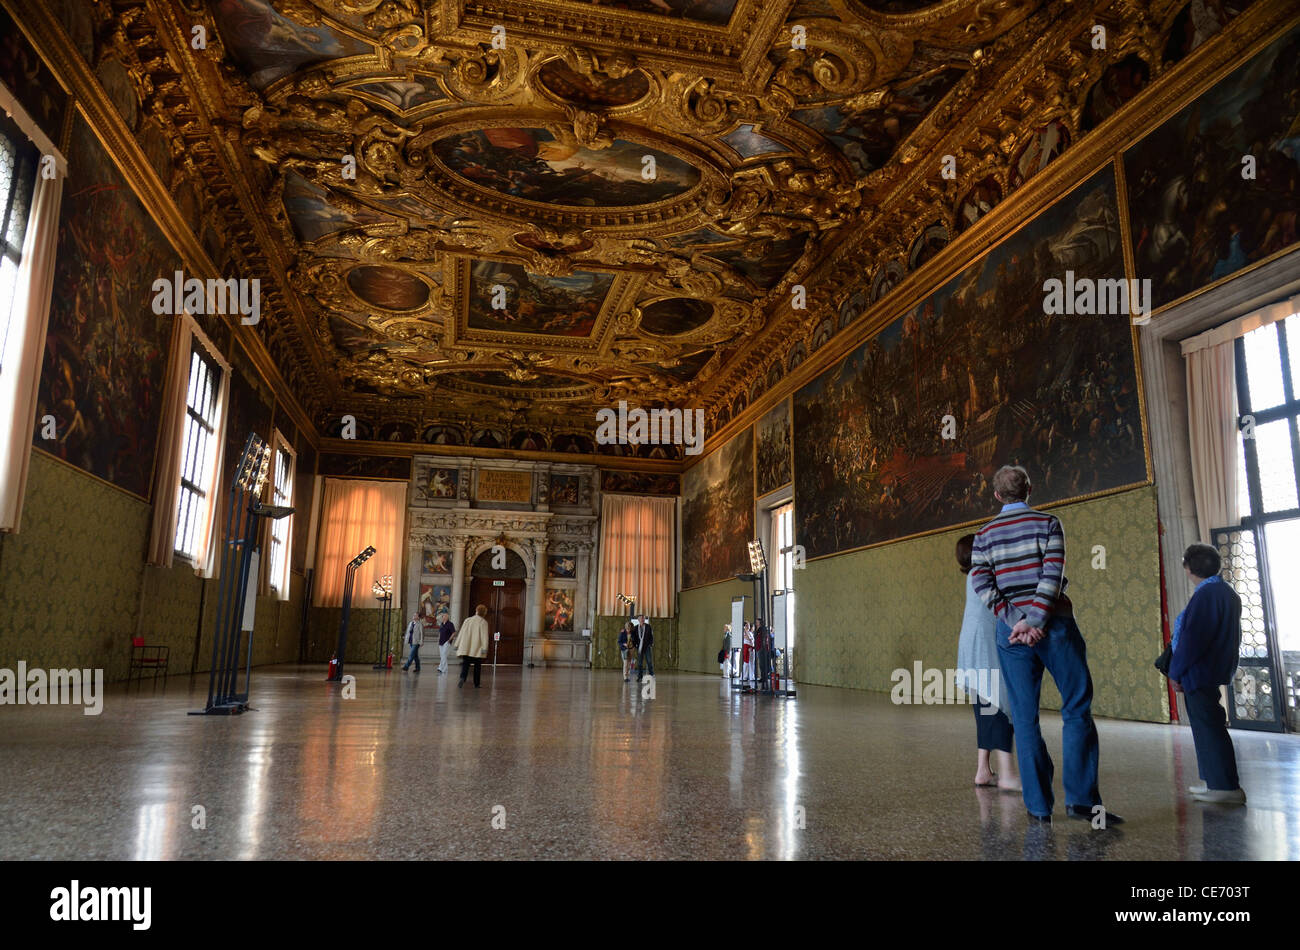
559	306
268	45
25	74
1195	215
868	138
640	483
718	513
106	350
773	461
533	164
564	489
1057	394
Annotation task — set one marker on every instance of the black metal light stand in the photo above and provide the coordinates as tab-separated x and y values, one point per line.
244	514
762	608
383	591
349	580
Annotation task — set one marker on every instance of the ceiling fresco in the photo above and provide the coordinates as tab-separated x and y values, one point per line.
475	220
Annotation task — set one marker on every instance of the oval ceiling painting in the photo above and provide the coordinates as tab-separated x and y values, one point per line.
387	287
534	165
671	317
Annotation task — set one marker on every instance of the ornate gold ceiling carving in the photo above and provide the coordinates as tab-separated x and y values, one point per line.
384	163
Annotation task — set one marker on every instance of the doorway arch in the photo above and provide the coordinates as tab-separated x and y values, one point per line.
504	591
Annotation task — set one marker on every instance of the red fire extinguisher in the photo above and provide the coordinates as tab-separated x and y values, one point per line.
334	666
390	659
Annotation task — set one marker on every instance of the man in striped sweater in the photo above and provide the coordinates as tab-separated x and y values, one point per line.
1018	569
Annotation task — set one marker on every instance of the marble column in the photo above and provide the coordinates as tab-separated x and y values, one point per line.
458	581
539	583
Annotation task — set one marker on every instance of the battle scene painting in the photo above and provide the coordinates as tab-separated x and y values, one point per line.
718	513
879	457
533	164
1195	215
773	461
531	303
106	350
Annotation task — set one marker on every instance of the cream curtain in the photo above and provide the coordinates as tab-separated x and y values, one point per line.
1212	412
356	513
1212	431
171	442
636	554
171	446
21	376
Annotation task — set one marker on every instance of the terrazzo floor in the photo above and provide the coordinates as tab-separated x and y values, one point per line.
576	764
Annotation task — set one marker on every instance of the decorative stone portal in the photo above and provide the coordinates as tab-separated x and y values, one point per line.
478	527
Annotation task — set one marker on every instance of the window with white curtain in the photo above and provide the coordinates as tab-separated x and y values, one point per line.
782	577
281	528
198	456
637	542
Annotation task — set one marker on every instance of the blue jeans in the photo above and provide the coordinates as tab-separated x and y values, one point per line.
414	657
1062	653
645	661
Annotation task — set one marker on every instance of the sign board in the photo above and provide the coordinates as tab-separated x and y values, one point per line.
498	583
586	631
737	621
497	485
497	635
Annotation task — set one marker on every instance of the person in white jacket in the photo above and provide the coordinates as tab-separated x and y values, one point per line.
472	644
414	637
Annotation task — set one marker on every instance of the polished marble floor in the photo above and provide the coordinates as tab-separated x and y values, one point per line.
577	764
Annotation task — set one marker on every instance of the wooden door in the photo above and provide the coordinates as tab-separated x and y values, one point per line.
505	606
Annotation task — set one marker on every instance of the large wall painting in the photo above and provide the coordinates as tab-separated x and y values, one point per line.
772	466
1058	394
718	513
106	350
1195	216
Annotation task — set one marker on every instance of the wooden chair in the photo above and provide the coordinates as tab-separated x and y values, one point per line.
147	657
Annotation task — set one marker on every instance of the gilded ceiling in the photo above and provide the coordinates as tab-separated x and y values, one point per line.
479	218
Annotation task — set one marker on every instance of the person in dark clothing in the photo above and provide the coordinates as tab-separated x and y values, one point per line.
622	650
763	644
1206	644
445	633
644	648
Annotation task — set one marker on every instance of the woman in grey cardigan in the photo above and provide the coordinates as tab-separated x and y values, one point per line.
979	671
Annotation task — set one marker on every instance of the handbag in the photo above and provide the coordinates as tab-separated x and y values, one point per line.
1164	659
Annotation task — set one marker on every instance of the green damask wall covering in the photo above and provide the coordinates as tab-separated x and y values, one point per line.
74	589
703	612
70	578
860	616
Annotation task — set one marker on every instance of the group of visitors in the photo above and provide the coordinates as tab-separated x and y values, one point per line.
758	657
636	647
470	644
1019	622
